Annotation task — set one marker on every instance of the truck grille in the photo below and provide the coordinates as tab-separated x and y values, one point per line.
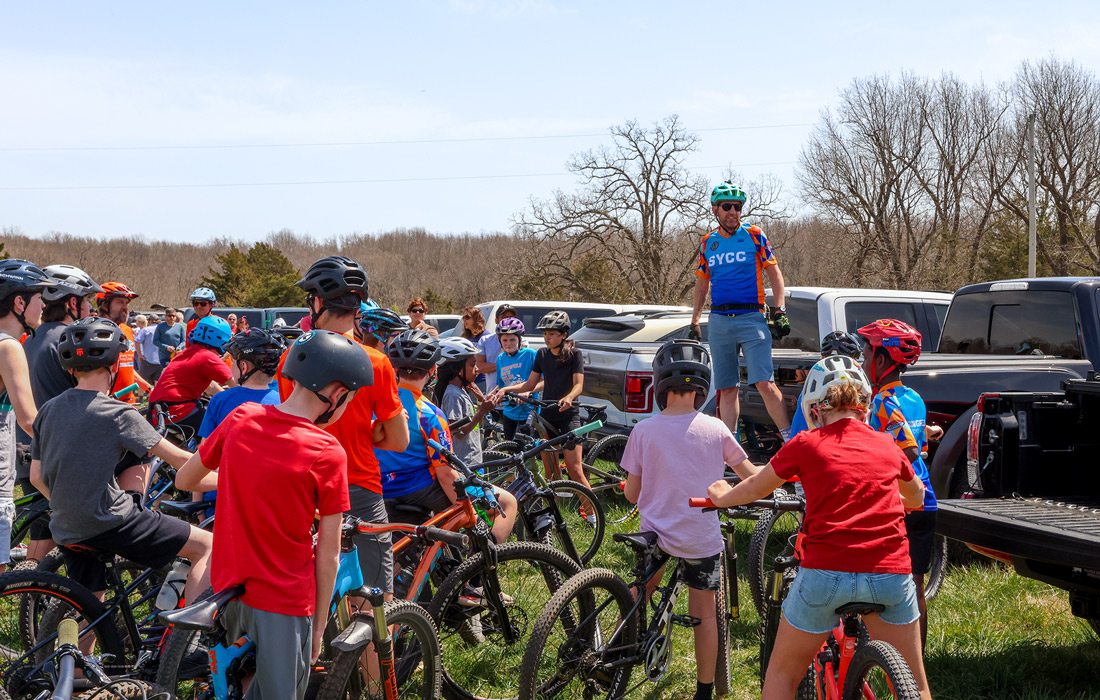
1075	515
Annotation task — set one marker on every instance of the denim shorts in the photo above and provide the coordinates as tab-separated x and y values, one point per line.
746	334
815	595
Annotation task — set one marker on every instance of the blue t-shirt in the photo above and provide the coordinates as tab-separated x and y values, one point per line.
223	403
514	369
735	265
414	468
900	411
798	420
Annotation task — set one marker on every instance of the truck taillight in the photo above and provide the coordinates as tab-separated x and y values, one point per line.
973	435
983	397
639	394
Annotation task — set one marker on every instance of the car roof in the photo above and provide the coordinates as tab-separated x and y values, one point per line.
561	304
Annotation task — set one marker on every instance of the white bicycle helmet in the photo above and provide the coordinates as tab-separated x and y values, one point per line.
204	294
456	350
68	281
830	371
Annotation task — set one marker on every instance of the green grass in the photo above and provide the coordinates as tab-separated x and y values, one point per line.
992	634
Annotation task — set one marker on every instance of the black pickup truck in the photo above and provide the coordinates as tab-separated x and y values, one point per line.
1033	500
1016	335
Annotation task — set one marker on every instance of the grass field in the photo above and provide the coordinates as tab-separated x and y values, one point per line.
992	634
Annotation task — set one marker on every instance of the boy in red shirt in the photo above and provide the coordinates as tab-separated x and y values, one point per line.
853	545
274	469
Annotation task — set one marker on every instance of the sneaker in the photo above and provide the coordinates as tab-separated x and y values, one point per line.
590	519
474	597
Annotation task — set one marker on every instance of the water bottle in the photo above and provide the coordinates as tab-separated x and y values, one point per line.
171	591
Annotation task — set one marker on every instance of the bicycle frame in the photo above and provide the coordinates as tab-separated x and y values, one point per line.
831	662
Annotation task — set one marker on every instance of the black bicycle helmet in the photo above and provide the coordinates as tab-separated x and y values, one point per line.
261	347
67	280
90	343
381	323
318	358
842	343
21	276
555	321
681	365
414	349
338	280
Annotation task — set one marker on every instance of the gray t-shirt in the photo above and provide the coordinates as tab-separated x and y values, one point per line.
80	437
457	404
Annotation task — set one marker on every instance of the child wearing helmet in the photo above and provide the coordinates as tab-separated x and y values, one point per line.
457	373
835	343
892	347
277	466
197	370
853	546
77	439
255	357
670	457
513	366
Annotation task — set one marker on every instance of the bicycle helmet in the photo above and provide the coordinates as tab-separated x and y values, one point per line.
511	325
681	365
381	323
336	279
318	358
456	350
21	276
900	341
830	371
261	347
727	192
414	349
555	321
115	290
90	343
842	343
204	294
213	331
68	281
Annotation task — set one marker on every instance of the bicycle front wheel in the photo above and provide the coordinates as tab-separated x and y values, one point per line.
602	468
769	539
483	640
583	517
722	677
879	671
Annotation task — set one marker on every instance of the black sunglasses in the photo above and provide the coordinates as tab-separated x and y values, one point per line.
726	206
416	311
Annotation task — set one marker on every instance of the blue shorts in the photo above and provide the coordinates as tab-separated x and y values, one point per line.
746	333
815	595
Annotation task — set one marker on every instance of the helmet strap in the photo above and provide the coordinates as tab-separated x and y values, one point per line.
332	408
245	375
22	316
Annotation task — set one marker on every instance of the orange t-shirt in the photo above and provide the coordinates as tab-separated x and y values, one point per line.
126	366
376	402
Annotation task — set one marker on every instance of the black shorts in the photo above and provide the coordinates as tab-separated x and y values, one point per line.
562	422
418	506
702	574
920	526
149	538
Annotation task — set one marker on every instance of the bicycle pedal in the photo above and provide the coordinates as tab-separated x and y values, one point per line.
686	620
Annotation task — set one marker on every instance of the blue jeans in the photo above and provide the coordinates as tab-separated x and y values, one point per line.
815	595
746	334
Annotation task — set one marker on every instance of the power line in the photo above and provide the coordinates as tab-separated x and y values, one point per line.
370	181
346	144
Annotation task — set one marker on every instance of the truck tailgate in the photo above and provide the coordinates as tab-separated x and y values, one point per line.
1037	529
605	370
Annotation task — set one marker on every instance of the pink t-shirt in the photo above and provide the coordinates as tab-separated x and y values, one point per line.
677	458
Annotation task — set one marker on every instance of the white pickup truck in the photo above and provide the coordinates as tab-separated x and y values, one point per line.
618	350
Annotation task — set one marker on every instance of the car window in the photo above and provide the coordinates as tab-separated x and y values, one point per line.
531	315
291	317
1012	322
802	313
860	313
443	324
684	332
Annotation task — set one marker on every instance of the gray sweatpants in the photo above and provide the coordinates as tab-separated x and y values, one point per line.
282	650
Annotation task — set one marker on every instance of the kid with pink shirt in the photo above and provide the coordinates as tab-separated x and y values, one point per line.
671	457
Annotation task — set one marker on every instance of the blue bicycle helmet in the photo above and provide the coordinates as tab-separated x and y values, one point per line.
213	331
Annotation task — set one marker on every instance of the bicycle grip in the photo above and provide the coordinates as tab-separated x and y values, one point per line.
126	391
453	538
701	503
67	632
586	429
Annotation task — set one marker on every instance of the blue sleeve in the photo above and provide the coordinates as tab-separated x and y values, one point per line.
798	421
212	418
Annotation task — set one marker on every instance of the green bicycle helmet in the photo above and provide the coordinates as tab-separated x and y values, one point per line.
727	192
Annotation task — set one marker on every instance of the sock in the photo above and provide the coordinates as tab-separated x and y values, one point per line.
785	433
704	691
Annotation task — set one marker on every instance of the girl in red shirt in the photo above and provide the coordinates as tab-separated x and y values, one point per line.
853	544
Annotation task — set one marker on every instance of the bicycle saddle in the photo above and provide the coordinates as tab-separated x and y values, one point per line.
860	608
183	509
201	615
639	541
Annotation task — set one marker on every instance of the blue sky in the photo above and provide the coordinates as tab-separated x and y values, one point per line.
94	92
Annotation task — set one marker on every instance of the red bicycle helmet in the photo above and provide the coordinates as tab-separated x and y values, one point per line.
900	340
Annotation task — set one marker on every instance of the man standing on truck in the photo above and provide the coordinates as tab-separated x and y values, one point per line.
732	262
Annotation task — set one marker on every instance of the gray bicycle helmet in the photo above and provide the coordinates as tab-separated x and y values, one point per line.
90	343
842	343
338	280
555	321
68	281
414	349
681	365
318	358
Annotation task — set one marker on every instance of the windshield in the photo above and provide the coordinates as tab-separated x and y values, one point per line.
1016	322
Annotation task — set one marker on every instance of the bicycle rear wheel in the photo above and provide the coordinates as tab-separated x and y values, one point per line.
478	660
601	466
879	671
722	675
585	528
416	659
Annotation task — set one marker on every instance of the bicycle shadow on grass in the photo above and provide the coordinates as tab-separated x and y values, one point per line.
1027	670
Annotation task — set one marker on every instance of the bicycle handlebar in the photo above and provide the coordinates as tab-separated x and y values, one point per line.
126	391
433	534
67	633
542	446
779	504
469	476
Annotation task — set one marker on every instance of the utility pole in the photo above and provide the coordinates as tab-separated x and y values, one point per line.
1031	222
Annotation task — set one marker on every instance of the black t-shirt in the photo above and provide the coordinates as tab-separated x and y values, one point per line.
557	379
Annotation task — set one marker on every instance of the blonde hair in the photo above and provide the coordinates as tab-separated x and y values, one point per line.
845	396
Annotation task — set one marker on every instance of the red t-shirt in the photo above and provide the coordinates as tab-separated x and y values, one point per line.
186	377
854	516
378	401
275	472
